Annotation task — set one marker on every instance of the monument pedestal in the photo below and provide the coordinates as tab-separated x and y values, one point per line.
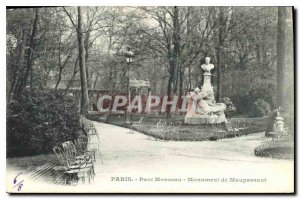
207	87
205	119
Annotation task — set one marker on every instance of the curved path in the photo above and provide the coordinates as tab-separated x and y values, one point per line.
135	156
140	160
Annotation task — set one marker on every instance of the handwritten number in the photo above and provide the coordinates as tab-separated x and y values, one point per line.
20	184
20	187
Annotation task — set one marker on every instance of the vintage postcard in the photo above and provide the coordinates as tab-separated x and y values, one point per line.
150	99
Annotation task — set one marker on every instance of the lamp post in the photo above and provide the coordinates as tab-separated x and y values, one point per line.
129	59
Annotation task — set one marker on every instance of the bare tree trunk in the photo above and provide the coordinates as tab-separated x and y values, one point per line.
29	52
62	66
31	77
181	82
176	50
281	55
18	70
59	78
188	25
173	61
95	83
86	47
59	63
83	78
258	55
220	63
73	76
190	78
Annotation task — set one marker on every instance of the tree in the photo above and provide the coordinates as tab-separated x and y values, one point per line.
34	33
219	48
281	55
29	53
62	64
26	44
81	57
175	54
83	77
169	44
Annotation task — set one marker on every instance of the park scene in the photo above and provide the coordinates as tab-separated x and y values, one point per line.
150	99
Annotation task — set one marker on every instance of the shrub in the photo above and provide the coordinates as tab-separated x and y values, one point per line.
260	108
245	101
230	108
39	120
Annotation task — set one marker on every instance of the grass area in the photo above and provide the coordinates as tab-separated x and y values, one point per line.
171	130
27	162
194	133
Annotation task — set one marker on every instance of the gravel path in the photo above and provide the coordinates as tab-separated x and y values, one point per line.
134	155
181	166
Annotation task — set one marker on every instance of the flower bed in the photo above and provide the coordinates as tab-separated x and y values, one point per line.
280	149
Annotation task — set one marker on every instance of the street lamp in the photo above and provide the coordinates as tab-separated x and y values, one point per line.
129	59
129	56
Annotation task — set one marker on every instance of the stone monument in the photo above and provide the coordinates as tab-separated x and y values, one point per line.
202	107
207	67
279	127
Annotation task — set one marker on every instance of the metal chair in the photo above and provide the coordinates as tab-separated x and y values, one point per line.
74	168
91	131
72	153
83	146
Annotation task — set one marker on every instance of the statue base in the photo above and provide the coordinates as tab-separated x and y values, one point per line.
205	119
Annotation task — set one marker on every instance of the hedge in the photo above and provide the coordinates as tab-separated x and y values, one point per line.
38	120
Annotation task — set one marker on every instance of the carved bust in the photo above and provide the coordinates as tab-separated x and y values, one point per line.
207	66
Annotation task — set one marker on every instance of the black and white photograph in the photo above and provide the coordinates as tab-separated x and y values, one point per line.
150	99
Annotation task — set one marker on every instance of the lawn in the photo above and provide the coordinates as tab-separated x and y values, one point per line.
28	162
